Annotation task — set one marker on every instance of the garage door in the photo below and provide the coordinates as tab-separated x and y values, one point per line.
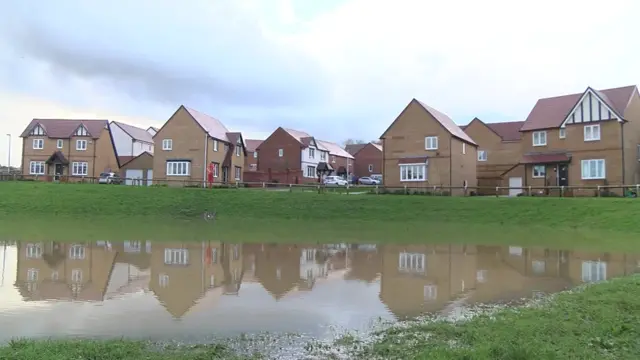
515	182
131	174
149	177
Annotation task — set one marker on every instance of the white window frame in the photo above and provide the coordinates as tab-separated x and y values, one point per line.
216	169
238	148
539	138
515	251
59	144
280	152
81	145
37	168
464	149
416	169
215	145
167	144
482	155
79	168
238	173
412	262
76	275
593	271
32	274
181	168
370	167
540	174
586	175
38	144
312	153
481	275
323	155
431	143
82	131
37	131
77	252
430	292
255	154
163	280
176	256
591	131
562	134
33	251
311	172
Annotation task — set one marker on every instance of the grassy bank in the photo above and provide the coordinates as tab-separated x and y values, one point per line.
601	322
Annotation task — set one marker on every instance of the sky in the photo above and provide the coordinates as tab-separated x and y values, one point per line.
336	69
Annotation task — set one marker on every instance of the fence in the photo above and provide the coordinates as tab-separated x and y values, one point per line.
431	190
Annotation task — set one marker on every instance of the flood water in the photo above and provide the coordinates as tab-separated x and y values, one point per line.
192	291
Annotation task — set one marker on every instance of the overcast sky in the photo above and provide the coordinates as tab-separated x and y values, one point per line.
335	68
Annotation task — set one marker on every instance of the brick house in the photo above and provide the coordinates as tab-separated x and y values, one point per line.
584	139
190	144
367	158
67	149
251	162
340	160
424	147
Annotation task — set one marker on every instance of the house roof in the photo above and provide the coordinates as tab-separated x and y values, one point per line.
354	148
64	128
211	125
378	146
303	138
551	112
252	144
234	138
508	131
545	158
135	132
123	160
153	128
335	149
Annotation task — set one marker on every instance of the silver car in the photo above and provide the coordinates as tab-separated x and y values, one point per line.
368	181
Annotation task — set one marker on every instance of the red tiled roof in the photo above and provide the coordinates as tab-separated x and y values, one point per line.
335	149
64	128
135	132
303	138
448	124
545	158
508	131
551	112
211	125
413	160
125	159
252	144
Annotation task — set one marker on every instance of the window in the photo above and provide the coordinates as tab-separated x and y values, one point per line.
80	168
215	145
464	149
76	252
178	168
176	256
312	153
538	267
238	171
163	280
563	133
430	292
539	171
593	169
132	246
32	275
38	131
214	255
255	154
59	143
280	152
431	143
311	171
413	172
167	144
411	262
216	169
81	145
482	155
76	275
36	168
591	132
593	271
515	250
540	138
82	131
238	148
38	144
34	251
481	276
370	167
55	276
323	156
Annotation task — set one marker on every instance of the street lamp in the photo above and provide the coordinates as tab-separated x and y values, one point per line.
9	154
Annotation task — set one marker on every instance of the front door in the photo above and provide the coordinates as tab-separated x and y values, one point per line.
563	175
225	174
58	171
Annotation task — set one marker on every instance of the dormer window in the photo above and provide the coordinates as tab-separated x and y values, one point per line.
82	131
37	131
312	153
238	148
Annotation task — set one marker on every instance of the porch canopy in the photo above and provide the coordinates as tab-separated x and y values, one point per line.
324	167
57	158
556	158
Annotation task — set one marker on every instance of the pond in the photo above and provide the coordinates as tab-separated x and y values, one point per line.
196	291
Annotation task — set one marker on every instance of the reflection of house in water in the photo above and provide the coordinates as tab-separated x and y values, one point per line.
365	263
131	271
63	271
183	272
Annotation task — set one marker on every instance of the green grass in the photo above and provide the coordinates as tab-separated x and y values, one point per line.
111	350
601	322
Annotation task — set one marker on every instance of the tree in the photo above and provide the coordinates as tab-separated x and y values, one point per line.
353	141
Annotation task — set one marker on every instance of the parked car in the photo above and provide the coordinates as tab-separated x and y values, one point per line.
368	181
110	178
335	181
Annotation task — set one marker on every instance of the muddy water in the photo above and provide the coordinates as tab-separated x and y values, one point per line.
197	291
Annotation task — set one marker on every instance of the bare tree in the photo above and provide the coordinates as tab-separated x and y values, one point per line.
353	141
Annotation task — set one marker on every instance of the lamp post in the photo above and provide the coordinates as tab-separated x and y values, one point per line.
9	154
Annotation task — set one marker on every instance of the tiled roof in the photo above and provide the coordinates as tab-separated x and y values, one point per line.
354	148
508	131
551	112
123	160
448	124
252	144
211	125
335	149
303	138
135	132
64	128
379	146
545	158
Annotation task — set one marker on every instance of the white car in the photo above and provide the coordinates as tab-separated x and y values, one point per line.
335	181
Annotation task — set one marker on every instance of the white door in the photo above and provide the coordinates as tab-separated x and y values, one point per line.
515	182
149	177
131	174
